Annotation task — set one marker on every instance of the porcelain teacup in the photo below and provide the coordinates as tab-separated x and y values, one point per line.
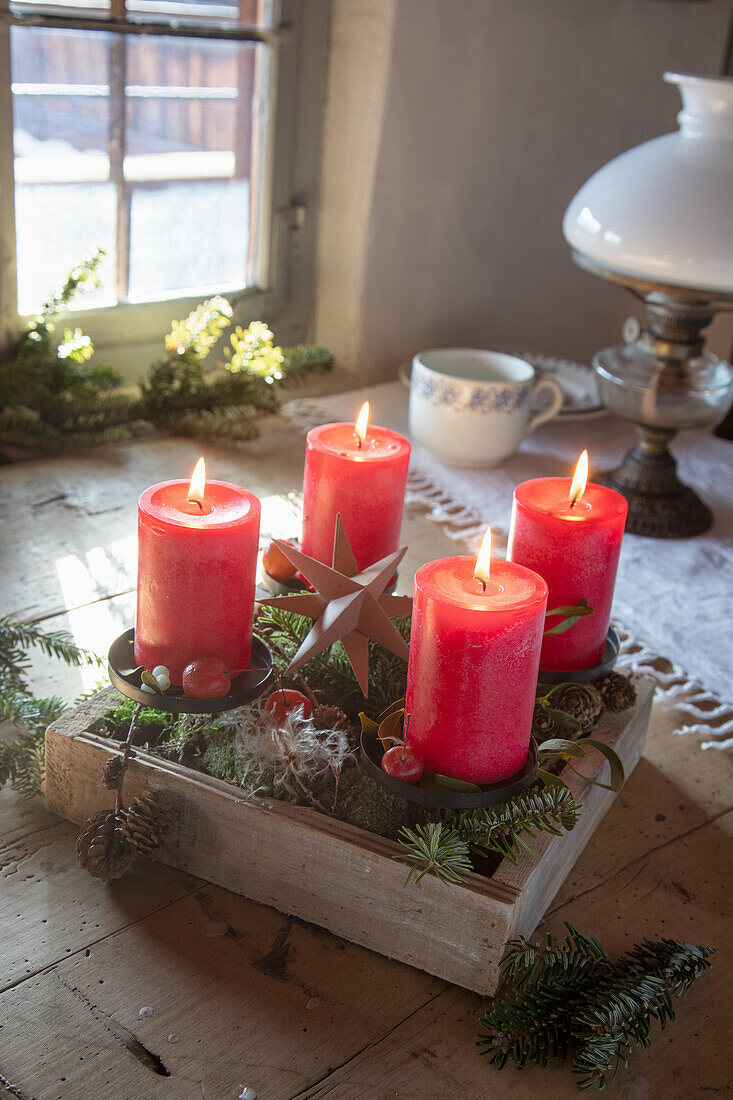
471	407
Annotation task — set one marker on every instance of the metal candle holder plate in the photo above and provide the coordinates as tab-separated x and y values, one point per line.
445	799
246	687
587	675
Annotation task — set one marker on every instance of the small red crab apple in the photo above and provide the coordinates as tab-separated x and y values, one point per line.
401	762
206	678
283	702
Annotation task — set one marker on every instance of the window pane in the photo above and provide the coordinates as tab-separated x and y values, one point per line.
64	201
241	12
187	164
143	146
204	226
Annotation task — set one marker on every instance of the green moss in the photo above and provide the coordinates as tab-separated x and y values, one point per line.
220	758
363	802
151	726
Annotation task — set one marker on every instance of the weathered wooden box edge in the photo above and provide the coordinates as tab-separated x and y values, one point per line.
333	874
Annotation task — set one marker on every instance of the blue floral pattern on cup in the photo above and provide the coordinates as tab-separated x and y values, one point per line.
463	395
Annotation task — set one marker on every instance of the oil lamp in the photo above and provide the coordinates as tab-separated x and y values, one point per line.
657	220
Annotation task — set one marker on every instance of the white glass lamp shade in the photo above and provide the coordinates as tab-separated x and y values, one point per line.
664	211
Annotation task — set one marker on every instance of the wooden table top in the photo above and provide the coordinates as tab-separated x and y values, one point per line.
161	986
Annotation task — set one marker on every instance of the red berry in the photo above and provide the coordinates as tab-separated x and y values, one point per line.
402	763
276	564
283	702
206	678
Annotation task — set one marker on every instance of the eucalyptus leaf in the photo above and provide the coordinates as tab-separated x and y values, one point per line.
559	746
618	776
551	780
454	784
572	613
564	625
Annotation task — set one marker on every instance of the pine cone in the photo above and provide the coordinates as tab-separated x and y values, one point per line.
544	725
111	772
326	717
102	847
617	692
580	700
145	822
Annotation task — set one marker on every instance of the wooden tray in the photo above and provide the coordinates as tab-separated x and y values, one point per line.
333	874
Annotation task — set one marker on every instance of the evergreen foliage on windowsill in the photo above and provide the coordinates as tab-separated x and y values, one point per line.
52	398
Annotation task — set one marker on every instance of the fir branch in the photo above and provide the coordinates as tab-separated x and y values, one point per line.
435	848
22	762
54	643
499	828
571	999
617	1014
524	961
496	829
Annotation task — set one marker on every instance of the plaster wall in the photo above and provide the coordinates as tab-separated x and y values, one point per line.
456	132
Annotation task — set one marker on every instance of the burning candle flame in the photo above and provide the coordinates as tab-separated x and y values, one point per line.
198	484
580	477
362	423
483	561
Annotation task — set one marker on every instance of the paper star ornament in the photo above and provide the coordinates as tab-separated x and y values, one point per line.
347	605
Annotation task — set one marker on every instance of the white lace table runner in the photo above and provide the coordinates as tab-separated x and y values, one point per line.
674	597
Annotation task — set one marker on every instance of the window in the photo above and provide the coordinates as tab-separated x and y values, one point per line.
162	131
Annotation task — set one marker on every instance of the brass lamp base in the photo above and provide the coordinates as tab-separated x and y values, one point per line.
660	505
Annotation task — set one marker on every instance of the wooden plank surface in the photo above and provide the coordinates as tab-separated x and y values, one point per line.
657	865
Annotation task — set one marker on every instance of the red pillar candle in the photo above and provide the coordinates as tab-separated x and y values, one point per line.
575	547
196	575
472	674
361	478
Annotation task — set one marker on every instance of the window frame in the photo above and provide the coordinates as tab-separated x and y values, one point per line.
131	334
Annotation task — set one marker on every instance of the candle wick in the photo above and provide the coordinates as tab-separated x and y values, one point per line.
358	441
200	504
481	581
572	502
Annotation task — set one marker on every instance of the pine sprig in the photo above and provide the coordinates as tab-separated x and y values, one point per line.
435	848
443	848
499	828
21	760
22	763
16	638
570	999
620	1011
524	960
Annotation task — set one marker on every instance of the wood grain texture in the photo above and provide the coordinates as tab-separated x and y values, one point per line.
253	998
39	870
328	872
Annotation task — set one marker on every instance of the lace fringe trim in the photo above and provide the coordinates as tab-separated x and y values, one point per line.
710	716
